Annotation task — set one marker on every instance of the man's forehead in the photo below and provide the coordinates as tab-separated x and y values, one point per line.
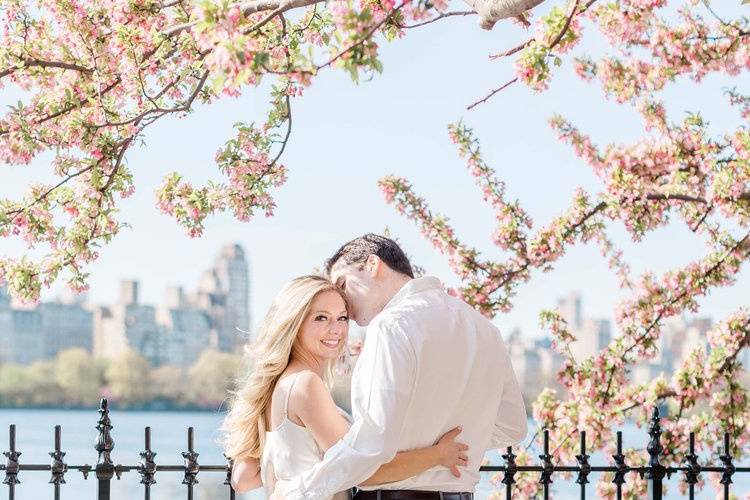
341	269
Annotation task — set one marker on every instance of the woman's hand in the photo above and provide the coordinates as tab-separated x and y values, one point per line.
451	453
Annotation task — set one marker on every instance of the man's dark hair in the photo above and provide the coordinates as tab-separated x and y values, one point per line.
357	251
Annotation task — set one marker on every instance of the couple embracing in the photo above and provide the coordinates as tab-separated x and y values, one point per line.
432	390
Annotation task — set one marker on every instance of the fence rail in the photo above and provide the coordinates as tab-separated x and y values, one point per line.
105	469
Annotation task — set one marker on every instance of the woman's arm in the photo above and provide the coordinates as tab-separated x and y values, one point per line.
447	452
246	475
312	403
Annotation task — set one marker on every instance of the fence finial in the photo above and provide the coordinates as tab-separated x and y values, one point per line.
191	462
656	471
11	464
583	462
147	467
726	459
105	468
547	466
622	467
58	466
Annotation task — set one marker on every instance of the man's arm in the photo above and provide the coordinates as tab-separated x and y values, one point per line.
510	423
388	367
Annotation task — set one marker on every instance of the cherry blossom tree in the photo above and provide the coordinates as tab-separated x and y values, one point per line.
96	75
677	172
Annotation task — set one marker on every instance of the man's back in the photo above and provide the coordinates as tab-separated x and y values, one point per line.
459	373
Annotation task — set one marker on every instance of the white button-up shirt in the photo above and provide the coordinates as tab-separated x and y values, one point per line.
429	363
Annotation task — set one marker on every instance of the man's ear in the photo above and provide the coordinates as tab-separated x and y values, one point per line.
372	265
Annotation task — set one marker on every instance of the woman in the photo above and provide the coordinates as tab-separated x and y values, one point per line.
283	418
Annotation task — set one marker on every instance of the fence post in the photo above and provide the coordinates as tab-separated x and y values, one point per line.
585	467
729	468
228	479
191	465
11	465
105	468
547	467
656	471
622	468
58	467
693	467
510	472
147	466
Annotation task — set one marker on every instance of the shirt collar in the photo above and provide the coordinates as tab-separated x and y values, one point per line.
414	286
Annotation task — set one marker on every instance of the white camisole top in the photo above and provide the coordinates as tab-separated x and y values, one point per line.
290	449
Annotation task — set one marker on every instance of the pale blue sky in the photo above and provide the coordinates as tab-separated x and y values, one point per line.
347	136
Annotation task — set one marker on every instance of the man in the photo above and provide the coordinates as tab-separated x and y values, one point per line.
429	363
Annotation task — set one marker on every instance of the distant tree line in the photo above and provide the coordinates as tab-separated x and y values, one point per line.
76	379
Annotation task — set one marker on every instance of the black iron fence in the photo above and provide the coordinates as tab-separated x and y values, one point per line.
105	470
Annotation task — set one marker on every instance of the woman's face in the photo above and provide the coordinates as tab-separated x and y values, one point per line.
326	328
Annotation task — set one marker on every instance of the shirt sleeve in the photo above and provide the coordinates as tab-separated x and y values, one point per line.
386	371
510	423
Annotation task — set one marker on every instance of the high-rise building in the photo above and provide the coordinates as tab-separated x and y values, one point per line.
25	342
224	292
592	335
569	308
41	332
185	334
679	337
126	325
65	326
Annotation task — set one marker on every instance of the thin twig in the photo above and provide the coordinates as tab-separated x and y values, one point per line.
437	18
362	40
489	96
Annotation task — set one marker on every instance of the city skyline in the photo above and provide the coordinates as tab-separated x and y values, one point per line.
214	314
534	358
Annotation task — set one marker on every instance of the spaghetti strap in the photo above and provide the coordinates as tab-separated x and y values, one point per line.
289	393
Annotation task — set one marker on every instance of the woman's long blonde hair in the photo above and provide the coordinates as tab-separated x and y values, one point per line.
245	425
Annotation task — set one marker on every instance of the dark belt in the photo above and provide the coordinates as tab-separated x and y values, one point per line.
412	495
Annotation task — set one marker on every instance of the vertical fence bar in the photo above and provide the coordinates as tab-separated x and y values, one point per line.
547	466
510	472
622	468
11	464
105	468
228	479
191	465
693	468
147	466
58	466
584	466
656	471
726	459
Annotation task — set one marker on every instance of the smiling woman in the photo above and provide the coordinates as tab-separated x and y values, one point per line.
283	340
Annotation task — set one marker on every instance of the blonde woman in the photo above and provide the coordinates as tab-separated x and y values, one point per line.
283	418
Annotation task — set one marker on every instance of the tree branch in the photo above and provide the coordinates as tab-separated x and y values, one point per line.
30	63
439	17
